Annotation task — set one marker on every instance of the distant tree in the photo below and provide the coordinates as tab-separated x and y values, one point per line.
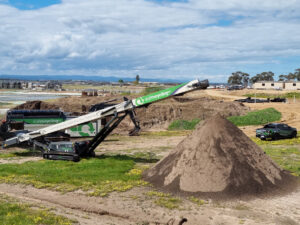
245	79
264	76
121	81
290	76
297	74
239	78
282	77
137	79
254	79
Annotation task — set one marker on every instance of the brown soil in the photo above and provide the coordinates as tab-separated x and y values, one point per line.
218	160
156	116
37	105
136	207
161	114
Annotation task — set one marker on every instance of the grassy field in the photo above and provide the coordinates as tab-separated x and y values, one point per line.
13	212
97	176
82	87
149	90
4	105
164	199
283	142
287	157
167	133
266	95
285	152
183	124
259	117
23	153
105	87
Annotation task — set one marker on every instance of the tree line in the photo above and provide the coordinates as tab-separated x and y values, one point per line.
241	78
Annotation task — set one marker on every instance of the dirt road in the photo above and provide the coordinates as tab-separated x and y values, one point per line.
134	207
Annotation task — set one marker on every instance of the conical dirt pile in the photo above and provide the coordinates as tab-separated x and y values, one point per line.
217	159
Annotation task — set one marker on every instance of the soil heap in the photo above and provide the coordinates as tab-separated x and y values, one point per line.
36	105
217	159
156	116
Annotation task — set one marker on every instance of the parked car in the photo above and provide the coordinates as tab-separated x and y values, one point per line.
276	131
235	87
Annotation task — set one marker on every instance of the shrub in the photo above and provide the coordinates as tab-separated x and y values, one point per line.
183	124
256	117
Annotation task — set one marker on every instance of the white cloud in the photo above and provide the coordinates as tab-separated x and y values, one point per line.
125	37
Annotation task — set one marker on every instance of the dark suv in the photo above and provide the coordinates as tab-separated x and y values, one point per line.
276	131
235	87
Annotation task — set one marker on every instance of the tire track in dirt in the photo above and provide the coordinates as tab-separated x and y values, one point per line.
74	203
71	202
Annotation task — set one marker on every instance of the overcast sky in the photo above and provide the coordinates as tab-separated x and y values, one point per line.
155	39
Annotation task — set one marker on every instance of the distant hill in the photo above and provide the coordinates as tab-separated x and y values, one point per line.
85	78
93	78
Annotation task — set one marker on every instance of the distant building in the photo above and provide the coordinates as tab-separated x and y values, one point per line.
19	84
277	85
89	92
53	85
292	85
11	84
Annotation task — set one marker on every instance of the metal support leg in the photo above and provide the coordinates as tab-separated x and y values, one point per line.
105	131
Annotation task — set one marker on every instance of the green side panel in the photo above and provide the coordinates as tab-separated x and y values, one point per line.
157	95
81	133
40	120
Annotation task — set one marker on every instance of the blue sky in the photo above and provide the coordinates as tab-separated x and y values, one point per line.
153	38
32	4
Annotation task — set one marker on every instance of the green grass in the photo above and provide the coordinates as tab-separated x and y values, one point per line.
266	95
256	117
290	141
24	153
149	90
97	176
167	133
197	201
169	202
16	213
183	124
285	152
164	200
104	87
5	103
259	117
149	157
286	157
241	206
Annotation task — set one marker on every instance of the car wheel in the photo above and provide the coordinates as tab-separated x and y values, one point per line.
276	137
294	134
